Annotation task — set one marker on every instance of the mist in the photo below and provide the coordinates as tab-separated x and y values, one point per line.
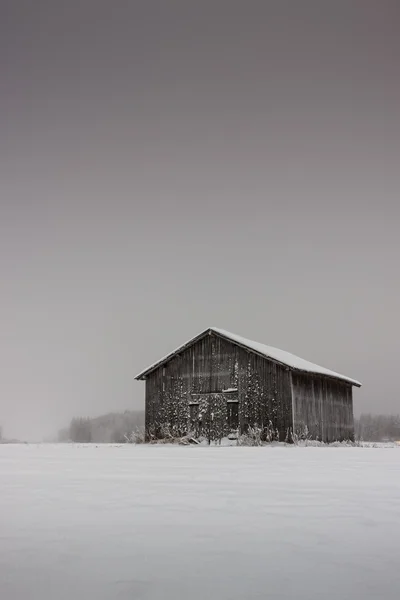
166	167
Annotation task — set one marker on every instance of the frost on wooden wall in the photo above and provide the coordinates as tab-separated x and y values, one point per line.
267	397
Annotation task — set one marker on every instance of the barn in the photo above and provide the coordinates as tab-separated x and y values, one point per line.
219	383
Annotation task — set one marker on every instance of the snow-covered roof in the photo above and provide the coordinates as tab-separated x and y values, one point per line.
279	356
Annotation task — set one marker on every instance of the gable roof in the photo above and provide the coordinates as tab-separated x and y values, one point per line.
279	356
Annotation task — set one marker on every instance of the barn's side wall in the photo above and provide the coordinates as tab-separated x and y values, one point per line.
324	406
209	367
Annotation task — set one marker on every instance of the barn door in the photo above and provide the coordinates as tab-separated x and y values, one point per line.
233	415
217	416
211	416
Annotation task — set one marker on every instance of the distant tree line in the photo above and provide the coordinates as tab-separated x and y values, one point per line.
118	427
5	440
377	428
110	428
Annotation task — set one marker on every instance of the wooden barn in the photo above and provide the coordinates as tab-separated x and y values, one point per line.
219	383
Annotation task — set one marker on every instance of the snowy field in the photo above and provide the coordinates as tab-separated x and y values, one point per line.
193	523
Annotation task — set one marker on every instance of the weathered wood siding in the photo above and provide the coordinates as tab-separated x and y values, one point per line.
264	394
324	406
202	374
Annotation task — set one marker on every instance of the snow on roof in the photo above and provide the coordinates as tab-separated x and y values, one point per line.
283	357
280	356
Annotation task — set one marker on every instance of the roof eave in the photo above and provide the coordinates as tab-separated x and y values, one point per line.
342	379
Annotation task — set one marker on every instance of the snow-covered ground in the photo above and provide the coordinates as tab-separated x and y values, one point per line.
161	523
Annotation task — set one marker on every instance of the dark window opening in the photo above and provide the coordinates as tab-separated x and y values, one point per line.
233	415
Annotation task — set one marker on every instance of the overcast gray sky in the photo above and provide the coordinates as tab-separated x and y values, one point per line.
167	166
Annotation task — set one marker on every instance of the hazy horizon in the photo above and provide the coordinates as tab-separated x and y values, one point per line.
170	166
